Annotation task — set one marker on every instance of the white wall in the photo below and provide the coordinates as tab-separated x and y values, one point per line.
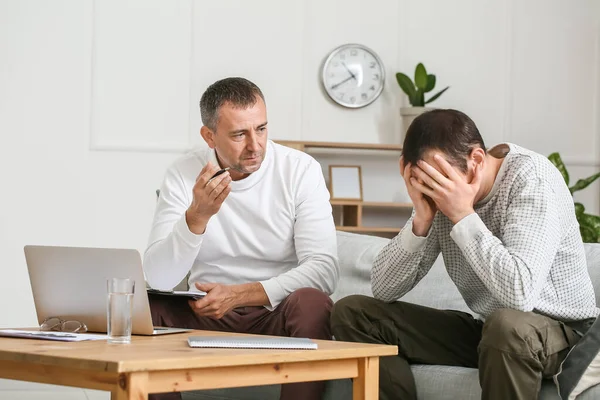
98	97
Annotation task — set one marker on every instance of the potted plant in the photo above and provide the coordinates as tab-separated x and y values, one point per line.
589	225
423	83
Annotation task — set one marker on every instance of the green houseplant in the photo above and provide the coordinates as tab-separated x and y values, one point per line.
423	83
589	225
415	90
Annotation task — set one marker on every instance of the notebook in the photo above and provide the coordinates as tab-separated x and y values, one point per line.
252	342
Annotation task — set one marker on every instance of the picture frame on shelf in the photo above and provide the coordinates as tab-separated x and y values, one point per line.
345	182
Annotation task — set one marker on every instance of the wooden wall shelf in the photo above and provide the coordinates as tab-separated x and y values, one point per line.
302	145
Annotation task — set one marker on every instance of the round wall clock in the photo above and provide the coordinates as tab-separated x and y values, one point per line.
353	75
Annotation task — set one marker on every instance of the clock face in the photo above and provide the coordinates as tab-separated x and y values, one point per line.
353	75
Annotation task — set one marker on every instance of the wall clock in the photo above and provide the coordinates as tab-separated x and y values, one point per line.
353	75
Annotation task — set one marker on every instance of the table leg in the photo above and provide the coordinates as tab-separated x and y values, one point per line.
132	386
366	385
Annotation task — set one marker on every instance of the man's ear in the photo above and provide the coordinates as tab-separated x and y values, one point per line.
208	136
477	156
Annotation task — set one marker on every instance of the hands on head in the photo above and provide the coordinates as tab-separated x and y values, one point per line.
439	187
207	197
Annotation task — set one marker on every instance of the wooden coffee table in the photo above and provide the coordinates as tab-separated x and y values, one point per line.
167	363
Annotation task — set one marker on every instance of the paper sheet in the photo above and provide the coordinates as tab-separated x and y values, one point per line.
46	335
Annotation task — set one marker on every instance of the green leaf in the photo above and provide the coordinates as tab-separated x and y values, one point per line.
438	94
421	76
406	85
583	183
591	221
587	235
430	83
579	209
591	225
558	163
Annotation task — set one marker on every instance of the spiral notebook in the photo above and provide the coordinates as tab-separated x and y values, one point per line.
252	342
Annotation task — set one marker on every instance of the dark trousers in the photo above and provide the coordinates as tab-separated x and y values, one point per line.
304	313
513	350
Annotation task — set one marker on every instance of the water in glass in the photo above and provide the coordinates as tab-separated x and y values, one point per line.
120	308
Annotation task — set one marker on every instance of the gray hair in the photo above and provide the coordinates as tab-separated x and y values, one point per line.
239	92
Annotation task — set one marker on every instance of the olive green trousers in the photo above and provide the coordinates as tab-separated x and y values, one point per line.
513	350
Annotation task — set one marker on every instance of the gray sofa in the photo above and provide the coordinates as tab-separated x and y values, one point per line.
356	253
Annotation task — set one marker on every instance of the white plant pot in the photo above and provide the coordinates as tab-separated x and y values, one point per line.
408	115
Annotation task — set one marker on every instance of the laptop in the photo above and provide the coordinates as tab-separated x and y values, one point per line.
70	283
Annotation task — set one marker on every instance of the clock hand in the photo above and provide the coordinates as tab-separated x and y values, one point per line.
348	69
339	83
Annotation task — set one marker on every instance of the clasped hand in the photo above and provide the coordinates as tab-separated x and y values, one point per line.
219	300
445	189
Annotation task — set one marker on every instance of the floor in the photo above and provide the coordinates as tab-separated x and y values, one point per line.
16	390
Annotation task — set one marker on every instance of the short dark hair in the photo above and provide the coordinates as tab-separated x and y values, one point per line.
450	131
238	91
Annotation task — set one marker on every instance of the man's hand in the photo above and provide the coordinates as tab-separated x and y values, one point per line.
208	198
452	194
425	208
220	299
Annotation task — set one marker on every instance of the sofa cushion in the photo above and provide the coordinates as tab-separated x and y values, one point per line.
581	369
448	383
356	254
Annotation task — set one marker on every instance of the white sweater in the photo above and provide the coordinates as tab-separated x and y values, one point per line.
275	227
521	249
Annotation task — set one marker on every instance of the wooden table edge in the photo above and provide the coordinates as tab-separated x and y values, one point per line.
136	384
125	366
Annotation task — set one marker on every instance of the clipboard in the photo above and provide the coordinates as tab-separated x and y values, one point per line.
192	294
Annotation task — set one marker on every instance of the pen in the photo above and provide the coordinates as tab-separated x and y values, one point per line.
219	172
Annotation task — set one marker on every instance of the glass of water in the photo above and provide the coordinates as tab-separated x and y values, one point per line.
119	310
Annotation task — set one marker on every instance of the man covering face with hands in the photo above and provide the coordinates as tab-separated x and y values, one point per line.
434	184
504	221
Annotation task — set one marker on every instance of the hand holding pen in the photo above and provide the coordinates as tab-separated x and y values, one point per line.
219	172
210	190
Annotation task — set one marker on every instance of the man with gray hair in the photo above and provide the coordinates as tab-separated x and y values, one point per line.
258	238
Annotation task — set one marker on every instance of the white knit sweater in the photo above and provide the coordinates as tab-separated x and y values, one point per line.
275	227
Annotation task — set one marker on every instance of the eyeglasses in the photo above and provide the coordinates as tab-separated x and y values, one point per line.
60	325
